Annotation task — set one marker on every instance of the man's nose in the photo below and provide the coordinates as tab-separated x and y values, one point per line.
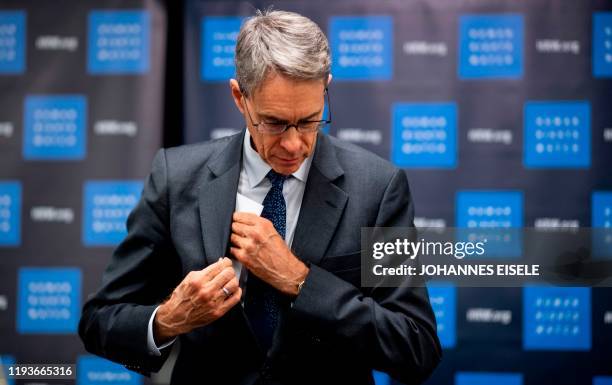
290	140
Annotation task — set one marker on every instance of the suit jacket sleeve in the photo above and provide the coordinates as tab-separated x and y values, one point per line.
392	329
141	274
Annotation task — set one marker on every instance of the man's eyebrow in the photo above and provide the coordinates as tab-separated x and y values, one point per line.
269	117
272	118
311	116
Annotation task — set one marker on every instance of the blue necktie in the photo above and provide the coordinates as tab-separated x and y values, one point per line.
262	303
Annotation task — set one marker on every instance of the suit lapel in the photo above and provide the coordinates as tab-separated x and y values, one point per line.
217	198
217	202
322	205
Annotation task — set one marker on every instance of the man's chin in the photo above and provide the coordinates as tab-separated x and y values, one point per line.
286	168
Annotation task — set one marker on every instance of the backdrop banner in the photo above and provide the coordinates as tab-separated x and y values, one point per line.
81	108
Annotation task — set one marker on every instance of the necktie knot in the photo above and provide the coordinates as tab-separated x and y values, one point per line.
276	179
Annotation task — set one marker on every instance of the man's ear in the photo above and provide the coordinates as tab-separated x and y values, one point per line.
329	79
236	94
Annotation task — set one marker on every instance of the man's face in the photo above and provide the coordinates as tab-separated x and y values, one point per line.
282	100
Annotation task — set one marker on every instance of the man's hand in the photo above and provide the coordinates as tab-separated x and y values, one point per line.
261	249
197	301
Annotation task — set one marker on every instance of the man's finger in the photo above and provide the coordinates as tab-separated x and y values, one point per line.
244	217
221	279
231	286
237	240
241	229
239	254
231	300
214	269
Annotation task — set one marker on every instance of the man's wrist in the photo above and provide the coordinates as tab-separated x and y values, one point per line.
297	284
154	348
162	331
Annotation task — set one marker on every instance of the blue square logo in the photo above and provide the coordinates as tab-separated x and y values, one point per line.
55	127
12	42
6	360
361	47
602	380
498	216
556	318
601	223
98	371
424	135
106	207
602	44
557	134
443	299
10	213
218	47
49	300
491	46
488	378
119	42
602	209
381	378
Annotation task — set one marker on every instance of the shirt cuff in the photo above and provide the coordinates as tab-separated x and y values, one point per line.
154	350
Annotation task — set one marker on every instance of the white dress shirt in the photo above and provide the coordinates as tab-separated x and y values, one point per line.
254	185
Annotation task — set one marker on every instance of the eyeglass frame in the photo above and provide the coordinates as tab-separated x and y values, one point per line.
321	122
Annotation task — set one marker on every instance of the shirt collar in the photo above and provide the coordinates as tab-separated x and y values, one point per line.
257	169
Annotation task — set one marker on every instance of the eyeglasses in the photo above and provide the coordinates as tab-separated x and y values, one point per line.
274	128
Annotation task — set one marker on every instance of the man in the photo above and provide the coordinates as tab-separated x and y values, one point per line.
295	313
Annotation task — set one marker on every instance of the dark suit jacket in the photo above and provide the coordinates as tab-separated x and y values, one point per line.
335	332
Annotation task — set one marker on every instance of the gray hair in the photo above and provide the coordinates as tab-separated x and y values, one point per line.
280	42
